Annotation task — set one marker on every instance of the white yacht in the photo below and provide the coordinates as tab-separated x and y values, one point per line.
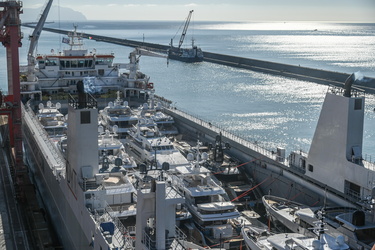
354	225
118	114
149	146
112	151
154	110
52	120
283	211
260	239
206	200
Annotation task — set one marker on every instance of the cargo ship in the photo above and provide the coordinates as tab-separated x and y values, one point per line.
190	55
333	170
77	188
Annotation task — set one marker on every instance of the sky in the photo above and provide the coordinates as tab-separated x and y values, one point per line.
215	10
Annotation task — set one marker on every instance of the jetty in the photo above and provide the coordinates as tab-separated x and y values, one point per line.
293	71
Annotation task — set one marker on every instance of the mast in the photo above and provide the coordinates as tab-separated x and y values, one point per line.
185	29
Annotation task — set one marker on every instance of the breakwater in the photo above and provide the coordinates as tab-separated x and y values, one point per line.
287	70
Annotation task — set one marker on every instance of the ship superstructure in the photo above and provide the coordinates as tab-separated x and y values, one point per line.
60	72
335	156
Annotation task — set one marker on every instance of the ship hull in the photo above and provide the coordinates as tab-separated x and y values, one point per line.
185	59
54	200
74	225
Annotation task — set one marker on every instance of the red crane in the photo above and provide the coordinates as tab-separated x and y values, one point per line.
10	37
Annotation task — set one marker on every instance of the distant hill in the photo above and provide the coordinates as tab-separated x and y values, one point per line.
66	14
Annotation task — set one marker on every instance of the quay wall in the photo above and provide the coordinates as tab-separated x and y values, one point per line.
293	71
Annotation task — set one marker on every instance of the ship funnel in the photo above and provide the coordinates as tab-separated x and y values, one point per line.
348	85
81	94
85	100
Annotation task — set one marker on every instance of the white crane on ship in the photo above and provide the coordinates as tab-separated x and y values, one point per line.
28	85
34	37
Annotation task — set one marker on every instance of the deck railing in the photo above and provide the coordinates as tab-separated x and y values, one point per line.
236	137
120	232
57	161
227	134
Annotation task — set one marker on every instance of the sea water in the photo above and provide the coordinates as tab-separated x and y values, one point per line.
272	111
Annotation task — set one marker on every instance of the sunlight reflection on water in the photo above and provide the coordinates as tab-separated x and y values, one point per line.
274	111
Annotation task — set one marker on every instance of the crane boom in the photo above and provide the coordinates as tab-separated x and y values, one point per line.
185	29
36	33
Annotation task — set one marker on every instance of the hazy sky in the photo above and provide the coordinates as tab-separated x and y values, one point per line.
220	10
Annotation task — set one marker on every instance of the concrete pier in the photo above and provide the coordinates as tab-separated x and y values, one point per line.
293	71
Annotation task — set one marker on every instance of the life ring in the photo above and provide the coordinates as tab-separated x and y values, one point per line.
150	85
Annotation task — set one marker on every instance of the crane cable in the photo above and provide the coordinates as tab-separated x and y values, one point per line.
246	192
240	165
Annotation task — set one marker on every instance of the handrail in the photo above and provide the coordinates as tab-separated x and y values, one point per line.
236	137
29	117
219	129
120	230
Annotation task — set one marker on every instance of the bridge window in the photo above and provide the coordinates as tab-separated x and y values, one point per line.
99	61
311	168
74	64
358	104
81	63
303	164
51	63
85	117
352	189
